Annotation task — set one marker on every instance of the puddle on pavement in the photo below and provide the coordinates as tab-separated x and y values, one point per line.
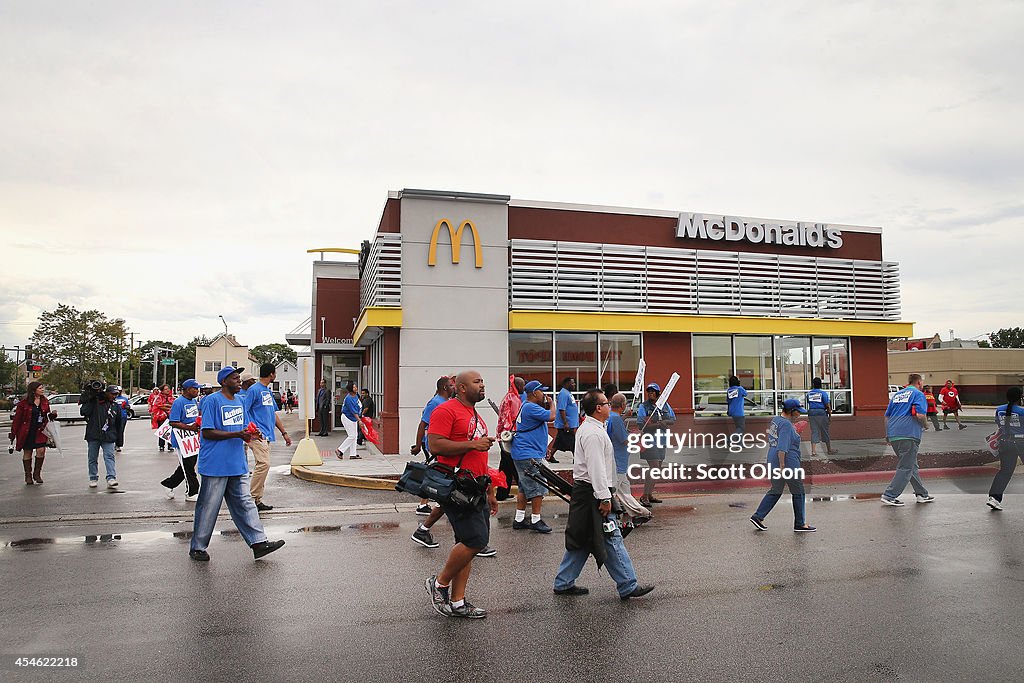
374	526
850	496
661	512
151	536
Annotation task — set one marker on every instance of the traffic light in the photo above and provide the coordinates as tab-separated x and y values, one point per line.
28	355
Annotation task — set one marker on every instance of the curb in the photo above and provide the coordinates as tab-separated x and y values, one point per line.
346	480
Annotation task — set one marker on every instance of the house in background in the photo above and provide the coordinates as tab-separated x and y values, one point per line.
223	350
287	377
918	344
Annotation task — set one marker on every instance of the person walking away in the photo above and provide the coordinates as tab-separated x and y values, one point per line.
261	408
736	397
784	451
458	438
350	411
592	528
903	421
655	421
28	430
323	408
819	412
949	395
102	422
369	410
619	435
122	403
184	416
567	420
529	445
1010	422
225	471
159	409
508	413
933	410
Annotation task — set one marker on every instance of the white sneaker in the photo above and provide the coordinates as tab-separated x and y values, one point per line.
111	483
925	499
895	502
170	493
192	499
994	504
93	483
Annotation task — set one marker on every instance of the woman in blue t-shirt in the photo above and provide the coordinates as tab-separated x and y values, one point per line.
819	412
1010	421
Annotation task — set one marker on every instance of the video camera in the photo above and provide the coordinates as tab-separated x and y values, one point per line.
92	391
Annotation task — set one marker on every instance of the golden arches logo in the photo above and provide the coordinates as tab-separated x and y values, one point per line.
456	238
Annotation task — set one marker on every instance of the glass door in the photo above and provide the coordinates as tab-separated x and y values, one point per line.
346	369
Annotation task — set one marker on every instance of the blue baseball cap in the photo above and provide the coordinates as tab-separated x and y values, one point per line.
654	386
225	372
533	385
190	384
792	404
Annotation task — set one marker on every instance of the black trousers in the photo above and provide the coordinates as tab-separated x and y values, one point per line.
1008	454
186	472
324	417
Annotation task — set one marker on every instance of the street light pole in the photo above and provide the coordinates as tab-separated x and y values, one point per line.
225	339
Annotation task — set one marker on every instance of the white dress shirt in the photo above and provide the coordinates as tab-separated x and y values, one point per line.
594	459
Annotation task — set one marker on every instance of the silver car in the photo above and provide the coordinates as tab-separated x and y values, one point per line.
138	406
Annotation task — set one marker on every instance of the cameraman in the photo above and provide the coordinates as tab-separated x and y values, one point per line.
102	426
457	436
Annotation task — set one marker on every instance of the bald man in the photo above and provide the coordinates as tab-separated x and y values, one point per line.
457	436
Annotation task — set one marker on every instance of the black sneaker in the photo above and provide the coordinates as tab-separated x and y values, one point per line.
572	590
540	527
519	526
264	548
438	595
467	611
199	555
963	426
487	551
638	592
263	507
423	537
759	523
805	528
945	427
423	510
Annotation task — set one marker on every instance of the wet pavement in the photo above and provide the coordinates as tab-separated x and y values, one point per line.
927	592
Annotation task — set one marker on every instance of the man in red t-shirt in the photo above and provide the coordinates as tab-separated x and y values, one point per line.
950	398
457	436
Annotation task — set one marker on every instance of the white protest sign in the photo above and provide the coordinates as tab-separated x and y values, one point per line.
188	442
638	383
163	431
663	399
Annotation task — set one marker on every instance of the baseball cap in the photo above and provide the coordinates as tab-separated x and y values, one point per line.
247	376
113	389
532	386
655	386
190	384
792	404
225	373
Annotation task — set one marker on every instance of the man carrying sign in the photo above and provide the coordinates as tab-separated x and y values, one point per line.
184	417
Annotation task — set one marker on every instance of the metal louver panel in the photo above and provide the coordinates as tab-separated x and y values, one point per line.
381	283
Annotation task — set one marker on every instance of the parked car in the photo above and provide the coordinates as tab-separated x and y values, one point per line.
717	405
138	406
66	407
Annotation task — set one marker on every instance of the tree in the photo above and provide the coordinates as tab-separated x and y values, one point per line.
273	353
1007	338
984	344
8	368
74	346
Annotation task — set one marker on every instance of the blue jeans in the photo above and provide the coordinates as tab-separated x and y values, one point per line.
618	563
906	469
108	459
796	488
235	491
741	424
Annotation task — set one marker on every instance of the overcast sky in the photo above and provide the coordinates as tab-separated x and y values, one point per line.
167	162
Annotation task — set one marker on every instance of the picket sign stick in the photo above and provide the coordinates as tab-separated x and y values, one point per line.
638	384
663	399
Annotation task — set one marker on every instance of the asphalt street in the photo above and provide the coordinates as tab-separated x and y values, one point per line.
926	592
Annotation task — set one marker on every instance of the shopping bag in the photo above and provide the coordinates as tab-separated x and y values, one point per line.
366	427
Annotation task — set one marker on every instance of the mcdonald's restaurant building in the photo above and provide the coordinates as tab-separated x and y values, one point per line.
547	291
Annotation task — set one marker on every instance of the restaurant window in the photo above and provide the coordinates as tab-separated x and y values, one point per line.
620	358
576	357
793	360
831	362
754	367
529	356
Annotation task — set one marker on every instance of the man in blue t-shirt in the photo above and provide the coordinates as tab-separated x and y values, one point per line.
529	444
1010	426
653	420
736	397
819	412
184	416
261	409
904	418
225	471
422	535
784	451
567	420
